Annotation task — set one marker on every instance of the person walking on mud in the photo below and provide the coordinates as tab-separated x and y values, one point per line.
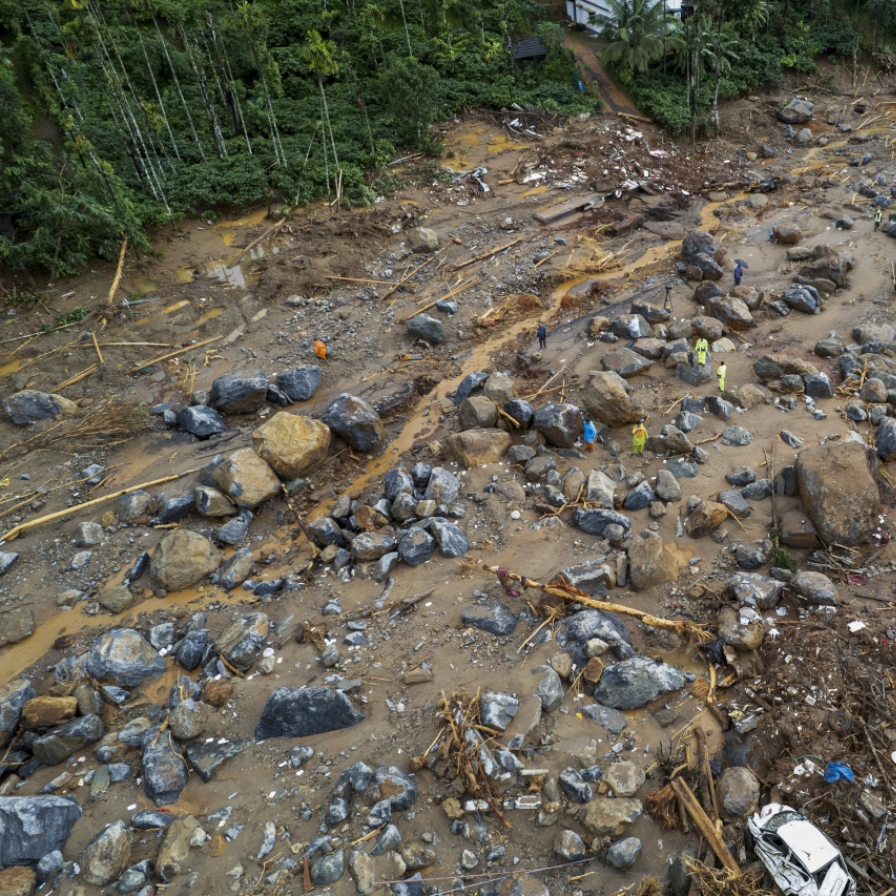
639	437
738	274
542	336
720	375
667	302
878	217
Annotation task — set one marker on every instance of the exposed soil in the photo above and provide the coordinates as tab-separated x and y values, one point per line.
265	313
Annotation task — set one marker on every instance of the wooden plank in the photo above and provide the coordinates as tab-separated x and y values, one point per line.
555	212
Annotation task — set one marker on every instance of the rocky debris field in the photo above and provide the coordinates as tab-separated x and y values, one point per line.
382	621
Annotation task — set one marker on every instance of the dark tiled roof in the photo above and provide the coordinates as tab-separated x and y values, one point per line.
528	47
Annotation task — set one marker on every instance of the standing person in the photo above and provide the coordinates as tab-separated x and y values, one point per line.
639	437
701	347
720	374
878	217
542	336
738	273
667	302
590	434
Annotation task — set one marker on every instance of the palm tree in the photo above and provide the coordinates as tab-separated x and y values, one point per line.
637	32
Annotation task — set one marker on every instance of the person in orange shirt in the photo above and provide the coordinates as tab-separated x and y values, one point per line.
639	437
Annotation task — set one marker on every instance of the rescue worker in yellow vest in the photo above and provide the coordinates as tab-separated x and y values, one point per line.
720	374
878	217
639	437
701	347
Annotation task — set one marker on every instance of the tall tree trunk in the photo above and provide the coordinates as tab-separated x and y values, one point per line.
177	84
407	33
326	110
279	154
239	106
227	93
158	94
203	89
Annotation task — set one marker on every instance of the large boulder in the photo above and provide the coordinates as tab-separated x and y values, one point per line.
838	491
478	447
183	558
200	421
596	521
560	424
885	440
797	111
606	399
477	412
355	422
625	362
13	696
30	407
58	744
246	479
165	772
301	712
707	516
422	239
34	826
107	855
773	367
739	792
731	312
787	234
125	658
651	564
426	327
696	243
239	393
803	298
293	446
636	682
175	847
300	383
243	640
16	625
611	816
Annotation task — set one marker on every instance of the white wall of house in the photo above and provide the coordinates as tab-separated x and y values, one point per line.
580	10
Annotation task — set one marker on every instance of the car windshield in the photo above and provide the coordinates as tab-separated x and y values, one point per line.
782	818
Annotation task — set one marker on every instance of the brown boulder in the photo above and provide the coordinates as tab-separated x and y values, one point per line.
478	447
651	564
838	491
17	881
246	479
46	712
183	558
707	516
292	445
607	400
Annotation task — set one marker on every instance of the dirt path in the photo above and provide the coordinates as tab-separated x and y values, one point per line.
614	99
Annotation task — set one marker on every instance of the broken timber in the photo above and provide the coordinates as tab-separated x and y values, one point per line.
556	212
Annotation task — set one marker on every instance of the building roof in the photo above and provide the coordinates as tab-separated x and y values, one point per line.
527	47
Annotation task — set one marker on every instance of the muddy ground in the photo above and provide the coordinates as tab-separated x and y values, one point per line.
265	312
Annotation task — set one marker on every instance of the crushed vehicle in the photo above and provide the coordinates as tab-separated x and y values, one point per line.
801	859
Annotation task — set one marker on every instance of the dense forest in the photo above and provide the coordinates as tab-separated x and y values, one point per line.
124	114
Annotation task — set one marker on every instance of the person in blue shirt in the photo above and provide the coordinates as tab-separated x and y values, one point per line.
590	435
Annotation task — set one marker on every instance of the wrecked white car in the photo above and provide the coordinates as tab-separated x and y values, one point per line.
801	859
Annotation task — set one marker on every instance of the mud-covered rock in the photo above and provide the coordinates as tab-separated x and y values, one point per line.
123	657
175	846
731	312
478	447
183	558
707	516
815	588
242	641
301	712
16	625
355	422
651	564
611	817
738	791
477	412
625	363
293	446
239	392
246	479
606	399
838	491
31	407
107	855
424	326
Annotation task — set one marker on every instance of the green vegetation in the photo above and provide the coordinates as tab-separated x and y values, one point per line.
122	115
676	71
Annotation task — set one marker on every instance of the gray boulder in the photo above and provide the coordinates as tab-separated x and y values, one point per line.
124	657
301	712
625	362
165	773
560	424
753	590
549	688
492	617
59	743
595	522
640	497
624	853
797	111
450	538
497	710
575	631
469	384
34	826
815	588
803	298
241	643
30	407
239	393
107	855
416	547
422	326
731	312
300	383
636	682
885	440
355	422
200	421
698	242
442	487
13	696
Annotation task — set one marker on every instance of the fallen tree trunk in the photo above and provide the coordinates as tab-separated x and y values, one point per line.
574	595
